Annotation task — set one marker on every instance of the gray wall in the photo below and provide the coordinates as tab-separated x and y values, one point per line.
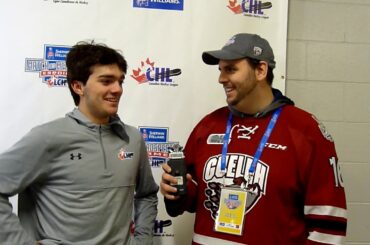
328	74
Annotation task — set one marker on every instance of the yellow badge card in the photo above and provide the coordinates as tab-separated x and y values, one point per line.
230	218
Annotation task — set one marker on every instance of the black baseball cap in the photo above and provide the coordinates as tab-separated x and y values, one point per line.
242	45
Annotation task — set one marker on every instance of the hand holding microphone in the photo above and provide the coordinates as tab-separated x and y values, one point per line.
174	178
176	161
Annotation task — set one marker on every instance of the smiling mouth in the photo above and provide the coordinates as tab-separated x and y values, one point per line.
228	90
113	100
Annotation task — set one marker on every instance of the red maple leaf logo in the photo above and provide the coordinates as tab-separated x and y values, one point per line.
140	73
235	7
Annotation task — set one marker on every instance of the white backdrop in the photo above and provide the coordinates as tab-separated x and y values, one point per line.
155	35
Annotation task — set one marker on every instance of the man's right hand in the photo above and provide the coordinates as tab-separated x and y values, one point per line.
167	190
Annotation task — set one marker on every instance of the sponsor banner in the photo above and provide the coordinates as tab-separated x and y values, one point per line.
166	82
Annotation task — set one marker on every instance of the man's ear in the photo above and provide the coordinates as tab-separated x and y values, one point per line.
77	87
261	70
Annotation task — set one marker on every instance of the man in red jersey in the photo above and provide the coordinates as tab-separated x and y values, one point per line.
260	170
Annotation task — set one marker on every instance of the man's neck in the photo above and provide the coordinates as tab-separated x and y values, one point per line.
256	103
93	119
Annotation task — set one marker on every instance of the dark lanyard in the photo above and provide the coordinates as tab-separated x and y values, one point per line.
261	145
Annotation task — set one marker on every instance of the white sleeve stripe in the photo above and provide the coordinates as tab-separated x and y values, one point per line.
325	210
325	238
201	239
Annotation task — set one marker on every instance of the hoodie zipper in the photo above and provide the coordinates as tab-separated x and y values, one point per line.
102	148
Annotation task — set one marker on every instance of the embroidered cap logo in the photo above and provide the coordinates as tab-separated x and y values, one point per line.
257	51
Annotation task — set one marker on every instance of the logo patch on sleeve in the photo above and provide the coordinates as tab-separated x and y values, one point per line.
323	130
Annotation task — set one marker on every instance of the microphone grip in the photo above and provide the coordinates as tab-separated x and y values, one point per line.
178	170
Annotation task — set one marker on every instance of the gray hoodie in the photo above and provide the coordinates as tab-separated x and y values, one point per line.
78	183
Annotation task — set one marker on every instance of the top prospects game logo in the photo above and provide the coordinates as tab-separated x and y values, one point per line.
160	4
154	75
157	144
52	67
252	8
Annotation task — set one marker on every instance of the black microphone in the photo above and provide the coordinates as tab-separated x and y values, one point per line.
176	160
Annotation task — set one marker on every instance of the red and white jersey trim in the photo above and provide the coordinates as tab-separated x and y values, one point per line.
325	238
325	210
201	239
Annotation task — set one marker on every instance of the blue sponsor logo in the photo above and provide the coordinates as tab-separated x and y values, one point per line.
159	4
154	134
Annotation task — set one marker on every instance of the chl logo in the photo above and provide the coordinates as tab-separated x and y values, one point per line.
77	156
249	7
147	72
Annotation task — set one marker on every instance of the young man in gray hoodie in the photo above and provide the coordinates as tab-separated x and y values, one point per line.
84	178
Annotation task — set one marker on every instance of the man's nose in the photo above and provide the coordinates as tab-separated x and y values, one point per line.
222	78
117	87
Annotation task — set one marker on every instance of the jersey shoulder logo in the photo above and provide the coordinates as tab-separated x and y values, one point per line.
323	130
237	132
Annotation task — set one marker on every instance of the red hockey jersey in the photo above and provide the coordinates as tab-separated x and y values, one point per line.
299	197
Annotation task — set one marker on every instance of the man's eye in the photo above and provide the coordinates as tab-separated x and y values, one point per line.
105	82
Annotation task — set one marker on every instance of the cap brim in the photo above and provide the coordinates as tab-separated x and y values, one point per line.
213	57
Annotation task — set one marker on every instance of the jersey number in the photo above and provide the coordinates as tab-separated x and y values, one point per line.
337	172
